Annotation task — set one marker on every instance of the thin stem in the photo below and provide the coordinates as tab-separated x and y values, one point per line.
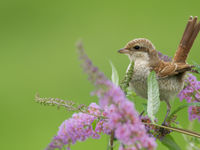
111	140
141	114
183	131
66	104
137	147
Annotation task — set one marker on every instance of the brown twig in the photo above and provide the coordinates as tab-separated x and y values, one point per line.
111	139
183	131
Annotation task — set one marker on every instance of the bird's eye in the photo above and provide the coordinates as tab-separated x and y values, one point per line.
136	47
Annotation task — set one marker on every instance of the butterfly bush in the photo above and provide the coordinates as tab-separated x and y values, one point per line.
115	113
79	128
191	93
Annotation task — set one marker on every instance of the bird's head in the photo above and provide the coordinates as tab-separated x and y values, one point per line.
138	49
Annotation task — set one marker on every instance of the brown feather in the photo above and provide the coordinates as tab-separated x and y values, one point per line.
189	35
166	69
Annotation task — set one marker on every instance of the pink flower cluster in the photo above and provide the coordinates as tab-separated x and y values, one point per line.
80	127
191	93
194	112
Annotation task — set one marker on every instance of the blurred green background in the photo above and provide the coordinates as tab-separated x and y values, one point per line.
38	55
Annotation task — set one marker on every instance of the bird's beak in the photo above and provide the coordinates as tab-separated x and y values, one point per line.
124	51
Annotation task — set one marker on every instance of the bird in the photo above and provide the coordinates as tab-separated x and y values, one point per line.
169	74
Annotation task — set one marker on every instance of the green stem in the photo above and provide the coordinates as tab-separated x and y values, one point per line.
183	131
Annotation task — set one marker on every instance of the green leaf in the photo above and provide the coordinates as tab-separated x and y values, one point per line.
193	143
124	84
153	102
182	107
197	66
130	94
114	76
196	142
169	142
94	124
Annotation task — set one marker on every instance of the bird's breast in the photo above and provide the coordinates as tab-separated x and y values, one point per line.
139	79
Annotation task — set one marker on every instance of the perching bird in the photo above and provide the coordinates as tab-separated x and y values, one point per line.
170	75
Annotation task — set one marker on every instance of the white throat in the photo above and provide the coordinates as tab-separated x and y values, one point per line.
139	58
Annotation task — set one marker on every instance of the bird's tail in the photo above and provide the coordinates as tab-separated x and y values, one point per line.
191	31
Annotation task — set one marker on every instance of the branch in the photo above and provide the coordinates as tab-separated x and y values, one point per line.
111	139
183	131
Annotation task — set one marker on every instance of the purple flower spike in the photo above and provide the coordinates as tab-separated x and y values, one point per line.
78	128
191	90
191	93
194	112
164	57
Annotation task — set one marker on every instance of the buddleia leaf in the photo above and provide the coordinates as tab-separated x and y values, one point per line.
169	142
197	66
114	76
124	84
153	103
195	142
182	107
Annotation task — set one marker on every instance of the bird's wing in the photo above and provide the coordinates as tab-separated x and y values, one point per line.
166	69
